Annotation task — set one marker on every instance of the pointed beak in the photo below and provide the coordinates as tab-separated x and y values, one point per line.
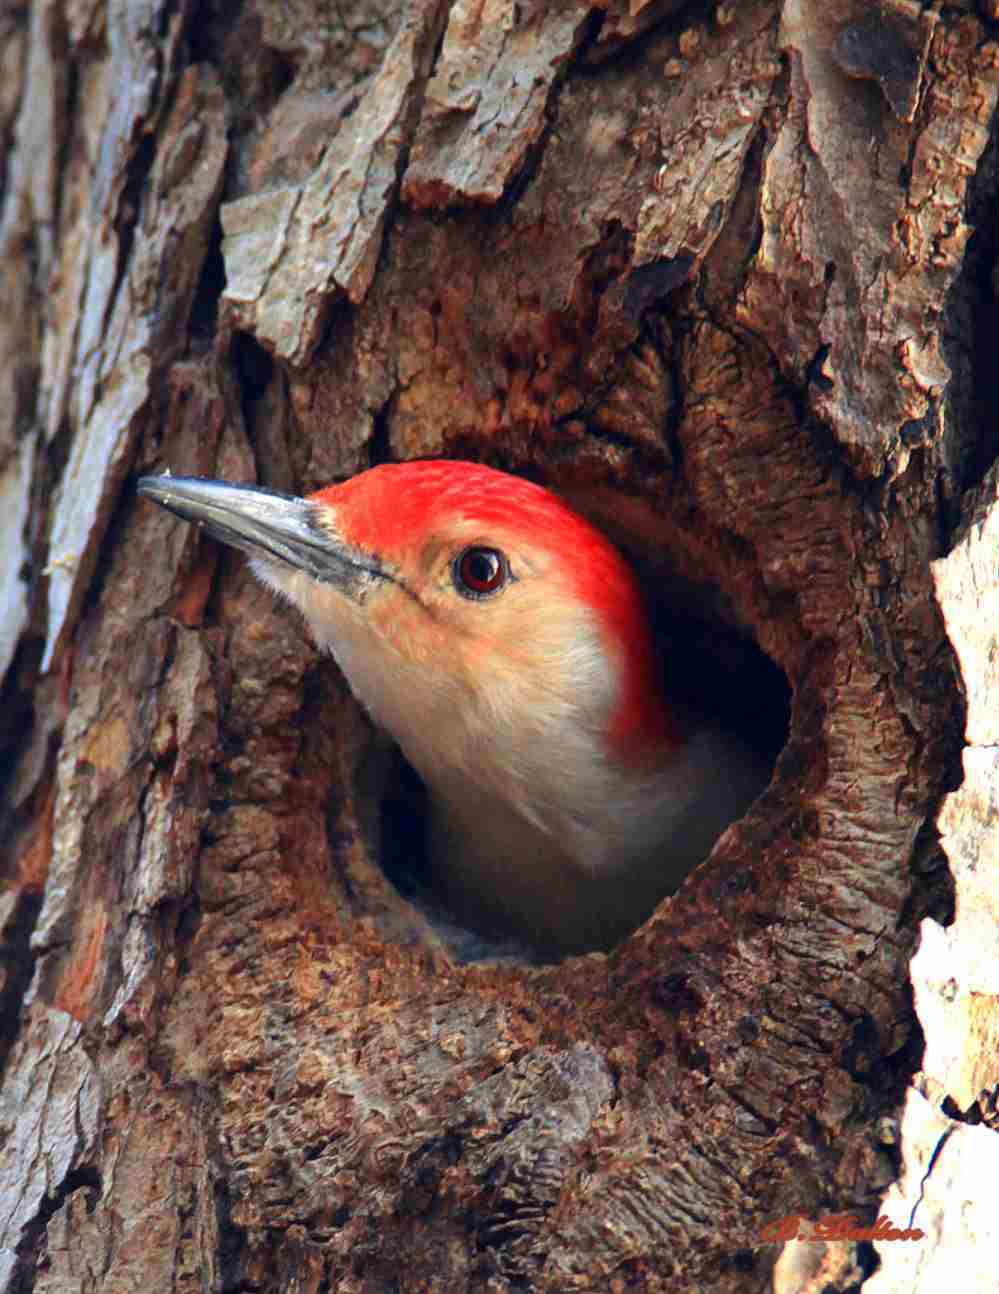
278	528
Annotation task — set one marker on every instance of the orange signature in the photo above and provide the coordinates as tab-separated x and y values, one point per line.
834	1226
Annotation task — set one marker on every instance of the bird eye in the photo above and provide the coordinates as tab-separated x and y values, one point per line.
479	572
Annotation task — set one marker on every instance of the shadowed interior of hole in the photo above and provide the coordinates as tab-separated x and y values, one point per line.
403	853
720	674
711	668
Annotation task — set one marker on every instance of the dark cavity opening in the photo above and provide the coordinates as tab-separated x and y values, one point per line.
712	669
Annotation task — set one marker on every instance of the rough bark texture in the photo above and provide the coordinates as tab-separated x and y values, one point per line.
721	274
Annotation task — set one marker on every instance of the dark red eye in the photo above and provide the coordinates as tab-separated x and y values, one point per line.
480	571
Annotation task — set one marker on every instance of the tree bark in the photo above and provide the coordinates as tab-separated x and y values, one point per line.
719	273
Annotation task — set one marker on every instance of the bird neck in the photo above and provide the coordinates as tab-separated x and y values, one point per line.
579	870
540	827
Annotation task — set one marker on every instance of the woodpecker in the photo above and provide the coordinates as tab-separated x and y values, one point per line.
502	641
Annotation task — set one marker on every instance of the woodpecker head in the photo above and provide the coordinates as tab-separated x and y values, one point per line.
453	581
503	643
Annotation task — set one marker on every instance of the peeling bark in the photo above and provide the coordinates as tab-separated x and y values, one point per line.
715	273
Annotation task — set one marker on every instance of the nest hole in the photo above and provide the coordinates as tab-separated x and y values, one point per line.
710	664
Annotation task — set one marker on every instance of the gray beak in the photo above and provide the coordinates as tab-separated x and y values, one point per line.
276	527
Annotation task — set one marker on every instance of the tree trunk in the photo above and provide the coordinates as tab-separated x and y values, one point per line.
720	273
